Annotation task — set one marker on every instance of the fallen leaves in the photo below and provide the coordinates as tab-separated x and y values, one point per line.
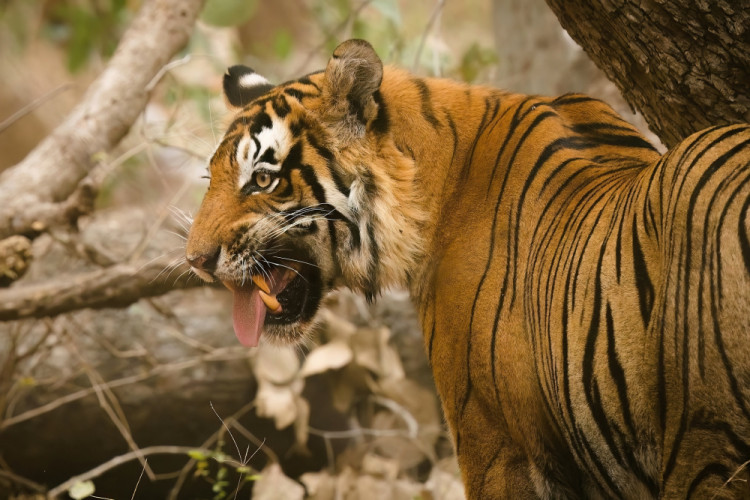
395	423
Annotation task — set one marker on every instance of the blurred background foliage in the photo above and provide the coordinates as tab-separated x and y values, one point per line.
353	414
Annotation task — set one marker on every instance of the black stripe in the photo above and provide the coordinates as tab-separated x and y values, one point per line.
708	471
327	154
743	234
260	121
308	175
296	127
627	140
280	107
568	99
372	275
427	110
268	156
618	374
480	130
293	158
432	340
381	124
642	280
296	93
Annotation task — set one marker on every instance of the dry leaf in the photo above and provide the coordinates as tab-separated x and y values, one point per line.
302	422
331	356
372	351
278	402
319	485
445	481
278	365
274	485
381	467
337	327
370	488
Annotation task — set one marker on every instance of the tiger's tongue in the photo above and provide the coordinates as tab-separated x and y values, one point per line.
248	315
249	311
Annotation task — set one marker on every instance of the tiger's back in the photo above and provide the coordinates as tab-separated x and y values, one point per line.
585	301
606	333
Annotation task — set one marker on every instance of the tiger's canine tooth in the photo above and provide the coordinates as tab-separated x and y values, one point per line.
270	301
260	282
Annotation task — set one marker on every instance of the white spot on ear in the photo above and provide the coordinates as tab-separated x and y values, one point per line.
252	80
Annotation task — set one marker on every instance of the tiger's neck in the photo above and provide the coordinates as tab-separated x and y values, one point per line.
435	123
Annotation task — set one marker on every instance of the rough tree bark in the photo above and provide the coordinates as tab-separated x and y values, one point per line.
684	64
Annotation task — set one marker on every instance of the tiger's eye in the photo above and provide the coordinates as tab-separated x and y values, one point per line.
263	179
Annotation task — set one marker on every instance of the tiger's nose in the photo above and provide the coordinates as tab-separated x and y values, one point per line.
205	262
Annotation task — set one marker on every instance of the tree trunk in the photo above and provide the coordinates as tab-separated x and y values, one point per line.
684	64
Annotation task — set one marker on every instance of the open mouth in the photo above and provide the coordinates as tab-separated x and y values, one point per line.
274	300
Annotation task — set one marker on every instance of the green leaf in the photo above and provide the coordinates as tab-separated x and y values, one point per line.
221	474
219	486
282	44
81	490
197	455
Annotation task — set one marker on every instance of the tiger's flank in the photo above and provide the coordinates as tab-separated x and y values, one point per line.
585	301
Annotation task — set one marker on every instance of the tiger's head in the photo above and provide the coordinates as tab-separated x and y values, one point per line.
308	192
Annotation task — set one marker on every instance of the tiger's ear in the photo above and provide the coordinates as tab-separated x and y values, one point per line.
352	77
242	85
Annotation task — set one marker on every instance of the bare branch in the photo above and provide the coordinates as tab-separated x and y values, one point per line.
115	286
27	483
52	171
119	460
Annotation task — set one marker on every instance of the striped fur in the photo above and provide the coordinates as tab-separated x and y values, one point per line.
585	301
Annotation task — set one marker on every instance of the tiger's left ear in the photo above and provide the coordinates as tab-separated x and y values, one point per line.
352	77
242	85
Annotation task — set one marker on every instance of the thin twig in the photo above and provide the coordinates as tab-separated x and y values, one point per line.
165	69
139	480
28	483
430	24
32	106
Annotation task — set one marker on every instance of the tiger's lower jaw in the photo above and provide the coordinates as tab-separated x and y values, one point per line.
299	303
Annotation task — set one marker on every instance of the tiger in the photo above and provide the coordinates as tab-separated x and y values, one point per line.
584	299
